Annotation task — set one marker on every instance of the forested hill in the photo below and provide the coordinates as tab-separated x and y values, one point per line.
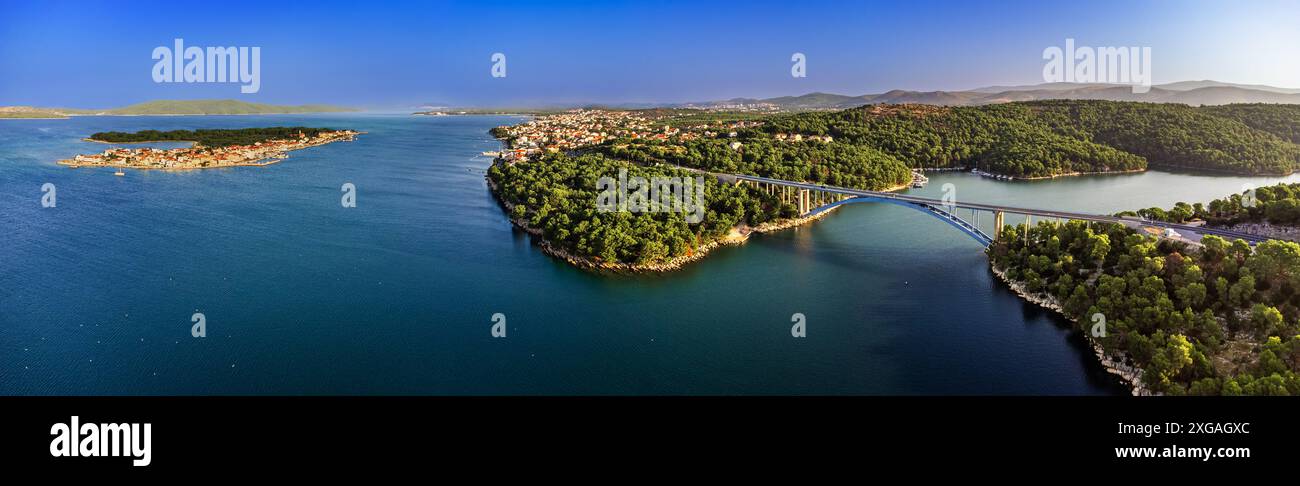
1047	138
1210	319
1280	120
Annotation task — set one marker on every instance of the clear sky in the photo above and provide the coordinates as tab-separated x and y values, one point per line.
403	54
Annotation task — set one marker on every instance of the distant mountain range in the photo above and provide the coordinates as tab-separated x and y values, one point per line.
172	107
1195	93
1186	92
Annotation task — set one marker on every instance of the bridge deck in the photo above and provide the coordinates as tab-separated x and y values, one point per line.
1046	213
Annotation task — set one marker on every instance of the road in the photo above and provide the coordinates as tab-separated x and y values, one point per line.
1045	213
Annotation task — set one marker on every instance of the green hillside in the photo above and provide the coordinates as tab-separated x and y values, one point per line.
1046	138
29	112
1280	120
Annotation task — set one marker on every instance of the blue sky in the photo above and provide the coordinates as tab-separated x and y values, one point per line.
402	54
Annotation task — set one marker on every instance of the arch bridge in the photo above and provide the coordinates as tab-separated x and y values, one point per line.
811	199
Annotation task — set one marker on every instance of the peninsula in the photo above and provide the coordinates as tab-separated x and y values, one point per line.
1169	317
210	149
546	172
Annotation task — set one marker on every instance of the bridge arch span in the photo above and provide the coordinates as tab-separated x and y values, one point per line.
953	220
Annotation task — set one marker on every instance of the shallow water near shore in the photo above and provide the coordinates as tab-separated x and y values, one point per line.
396	296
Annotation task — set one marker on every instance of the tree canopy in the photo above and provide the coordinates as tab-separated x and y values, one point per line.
210	137
1221	319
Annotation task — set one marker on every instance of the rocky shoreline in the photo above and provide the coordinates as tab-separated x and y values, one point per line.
737	236
1289	233
1076	174
197	157
1115	365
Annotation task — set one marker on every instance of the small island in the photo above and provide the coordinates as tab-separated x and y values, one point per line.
211	148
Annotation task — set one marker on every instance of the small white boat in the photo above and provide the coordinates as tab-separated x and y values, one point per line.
119	172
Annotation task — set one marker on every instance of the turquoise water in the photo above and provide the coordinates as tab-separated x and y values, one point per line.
396	296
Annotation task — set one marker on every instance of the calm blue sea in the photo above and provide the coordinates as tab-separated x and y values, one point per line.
396	296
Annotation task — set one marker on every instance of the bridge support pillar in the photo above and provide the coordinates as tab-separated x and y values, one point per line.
1028	224
998	217
804	200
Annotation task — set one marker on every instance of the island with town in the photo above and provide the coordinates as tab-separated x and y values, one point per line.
209	148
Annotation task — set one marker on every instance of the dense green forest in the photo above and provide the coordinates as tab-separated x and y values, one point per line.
1044	138
1171	135
1280	120
1003	139
558	193
1216	320
1278	204
210	137
834	164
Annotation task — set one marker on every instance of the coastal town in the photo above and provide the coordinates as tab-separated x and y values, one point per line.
575	129
198	156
